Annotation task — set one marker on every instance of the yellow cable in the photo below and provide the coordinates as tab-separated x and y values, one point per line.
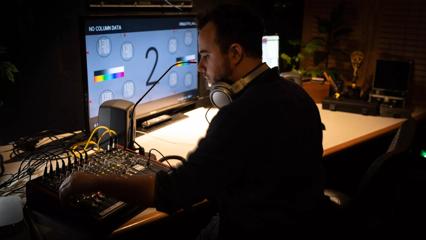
102	135
95	130
75	146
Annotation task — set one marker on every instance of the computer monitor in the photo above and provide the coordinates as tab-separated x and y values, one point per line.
124	55
270	50
392	77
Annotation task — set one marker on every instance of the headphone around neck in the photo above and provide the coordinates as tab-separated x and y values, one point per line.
221	93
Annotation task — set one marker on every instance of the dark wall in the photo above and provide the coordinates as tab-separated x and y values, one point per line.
42	39
381	29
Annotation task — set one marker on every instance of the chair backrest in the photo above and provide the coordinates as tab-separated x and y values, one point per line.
379	189
404	138
401	143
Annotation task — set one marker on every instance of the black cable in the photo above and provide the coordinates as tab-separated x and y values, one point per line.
75	158
149	155
29	163
1	166
16	190
12	178
205	115
172	157
25	146
32	157
153	149
141	149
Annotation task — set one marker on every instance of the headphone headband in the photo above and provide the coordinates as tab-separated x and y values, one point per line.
240	84
221	93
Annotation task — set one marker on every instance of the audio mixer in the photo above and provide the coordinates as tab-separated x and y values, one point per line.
94	209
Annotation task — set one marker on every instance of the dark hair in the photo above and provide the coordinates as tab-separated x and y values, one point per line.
236	24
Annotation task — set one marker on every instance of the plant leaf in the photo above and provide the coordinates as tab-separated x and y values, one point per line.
8	71
314	45
294	43
286	58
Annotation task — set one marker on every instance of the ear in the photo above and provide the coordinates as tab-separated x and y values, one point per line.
235	53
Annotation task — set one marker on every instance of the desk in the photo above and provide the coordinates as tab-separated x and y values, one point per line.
343	130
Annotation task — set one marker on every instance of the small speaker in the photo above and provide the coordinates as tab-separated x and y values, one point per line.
115	114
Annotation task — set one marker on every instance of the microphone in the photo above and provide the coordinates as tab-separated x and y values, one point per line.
132	127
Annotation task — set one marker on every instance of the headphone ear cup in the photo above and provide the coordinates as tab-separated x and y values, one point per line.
220	94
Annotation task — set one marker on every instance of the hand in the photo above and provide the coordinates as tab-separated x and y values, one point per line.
77	183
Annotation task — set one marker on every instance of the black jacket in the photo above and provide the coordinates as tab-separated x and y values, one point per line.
261	160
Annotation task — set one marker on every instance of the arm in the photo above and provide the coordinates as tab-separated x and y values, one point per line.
134	189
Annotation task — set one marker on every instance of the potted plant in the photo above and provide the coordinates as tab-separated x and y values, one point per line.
7	79
332	31
7	76
293	63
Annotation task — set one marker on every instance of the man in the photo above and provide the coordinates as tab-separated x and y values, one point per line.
260	160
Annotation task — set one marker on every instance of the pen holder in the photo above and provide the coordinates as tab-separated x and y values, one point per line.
317	90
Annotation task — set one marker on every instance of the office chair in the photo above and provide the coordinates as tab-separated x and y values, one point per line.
374	207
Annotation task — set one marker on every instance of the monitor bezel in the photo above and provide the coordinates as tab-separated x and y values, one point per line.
393	92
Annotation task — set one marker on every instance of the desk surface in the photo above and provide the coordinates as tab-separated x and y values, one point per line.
343	130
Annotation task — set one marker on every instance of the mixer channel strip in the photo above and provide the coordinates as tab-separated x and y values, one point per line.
94	208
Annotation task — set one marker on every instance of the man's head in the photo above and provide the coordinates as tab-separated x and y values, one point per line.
230	43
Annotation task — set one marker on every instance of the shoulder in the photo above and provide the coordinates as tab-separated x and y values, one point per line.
271	88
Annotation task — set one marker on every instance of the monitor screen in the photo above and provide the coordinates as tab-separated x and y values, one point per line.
270	50
124	56
392	76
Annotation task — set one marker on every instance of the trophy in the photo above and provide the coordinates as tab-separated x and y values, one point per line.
357	58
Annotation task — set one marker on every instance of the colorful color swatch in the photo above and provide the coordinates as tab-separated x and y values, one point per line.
182	61
109	74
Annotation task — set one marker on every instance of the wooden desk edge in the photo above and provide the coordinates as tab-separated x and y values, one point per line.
361	139
139	220
147	216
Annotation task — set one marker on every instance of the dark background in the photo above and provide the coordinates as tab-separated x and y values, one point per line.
42	39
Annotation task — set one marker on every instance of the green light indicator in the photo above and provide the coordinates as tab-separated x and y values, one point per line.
423	153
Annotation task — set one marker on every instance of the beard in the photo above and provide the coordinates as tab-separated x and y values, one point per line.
225	74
